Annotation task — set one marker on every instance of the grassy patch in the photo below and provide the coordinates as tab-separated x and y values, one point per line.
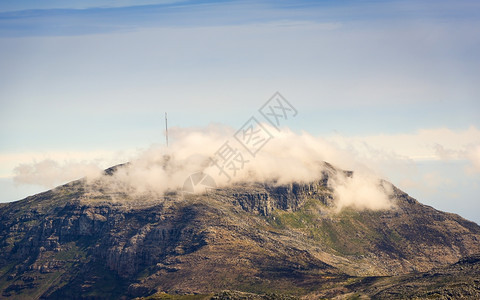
72	252
348	233
305	217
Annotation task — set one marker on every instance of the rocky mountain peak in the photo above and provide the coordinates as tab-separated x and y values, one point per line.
82	241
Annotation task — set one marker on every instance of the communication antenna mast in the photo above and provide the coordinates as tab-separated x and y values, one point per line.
166	128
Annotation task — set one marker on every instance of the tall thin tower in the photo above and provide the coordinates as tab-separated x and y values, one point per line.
166	128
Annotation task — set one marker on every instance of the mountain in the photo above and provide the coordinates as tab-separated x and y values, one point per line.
257	240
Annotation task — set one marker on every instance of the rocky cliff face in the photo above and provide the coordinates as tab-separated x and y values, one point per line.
74	243
265	199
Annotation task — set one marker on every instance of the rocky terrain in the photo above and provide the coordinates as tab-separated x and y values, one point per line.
262	240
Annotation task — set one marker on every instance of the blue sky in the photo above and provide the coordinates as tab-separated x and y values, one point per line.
394	82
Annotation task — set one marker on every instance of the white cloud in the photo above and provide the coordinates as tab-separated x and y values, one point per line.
288	157
102	158
383	155
473	154
423	145
50	173
362	191
420	162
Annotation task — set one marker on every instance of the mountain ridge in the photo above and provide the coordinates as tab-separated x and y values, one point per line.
81	241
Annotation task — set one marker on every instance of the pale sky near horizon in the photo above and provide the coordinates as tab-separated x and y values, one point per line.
396	83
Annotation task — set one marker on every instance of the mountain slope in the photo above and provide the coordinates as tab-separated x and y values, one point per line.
83	241
460	280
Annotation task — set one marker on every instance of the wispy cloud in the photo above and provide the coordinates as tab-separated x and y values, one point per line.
473	154
50	173
435	166
12	5
41	18
423	145
9	162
